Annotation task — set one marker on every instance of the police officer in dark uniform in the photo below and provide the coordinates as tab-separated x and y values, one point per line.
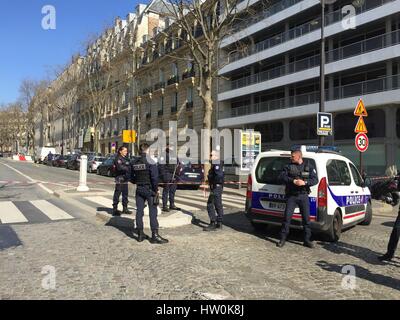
167	170
123	173
145	176
216	182
298	178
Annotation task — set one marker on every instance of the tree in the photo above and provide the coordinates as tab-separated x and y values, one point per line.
203	25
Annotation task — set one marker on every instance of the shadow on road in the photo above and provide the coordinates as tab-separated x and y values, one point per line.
8	238
358	252
363	273
388	224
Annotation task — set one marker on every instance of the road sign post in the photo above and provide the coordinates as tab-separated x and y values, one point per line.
361	141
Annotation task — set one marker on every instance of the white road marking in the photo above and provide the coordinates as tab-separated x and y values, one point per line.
10	213
194	198
50	210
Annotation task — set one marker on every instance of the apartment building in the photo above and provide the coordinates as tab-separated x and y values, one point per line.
273	85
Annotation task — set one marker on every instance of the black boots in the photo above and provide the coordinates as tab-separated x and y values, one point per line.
213	226
126	211
157	239
165	209
308	244
116	212
174	207
385	257
141	236
281	243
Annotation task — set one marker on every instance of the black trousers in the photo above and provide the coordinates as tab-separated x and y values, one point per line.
214	203
169	190
394	237
302	201
143	194
120	188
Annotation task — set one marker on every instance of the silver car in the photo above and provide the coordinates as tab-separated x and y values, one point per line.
94	162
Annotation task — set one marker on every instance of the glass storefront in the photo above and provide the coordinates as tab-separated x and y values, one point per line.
374	159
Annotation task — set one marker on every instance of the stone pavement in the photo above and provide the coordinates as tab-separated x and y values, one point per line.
96	261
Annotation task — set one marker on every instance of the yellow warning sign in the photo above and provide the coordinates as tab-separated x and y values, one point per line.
360	110
129	136
361	127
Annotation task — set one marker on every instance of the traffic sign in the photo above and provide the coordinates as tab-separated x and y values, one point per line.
362	142
324	124
360	127
360	110
129	136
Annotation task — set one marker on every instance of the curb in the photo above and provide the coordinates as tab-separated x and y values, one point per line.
173	221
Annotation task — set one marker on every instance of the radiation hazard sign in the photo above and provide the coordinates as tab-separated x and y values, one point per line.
360	110
360	127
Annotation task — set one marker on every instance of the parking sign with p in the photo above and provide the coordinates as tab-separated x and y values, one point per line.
324	124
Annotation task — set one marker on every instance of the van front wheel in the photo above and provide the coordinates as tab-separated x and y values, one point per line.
368	215
335	230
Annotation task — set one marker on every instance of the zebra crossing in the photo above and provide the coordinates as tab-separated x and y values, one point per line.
34	211
188	202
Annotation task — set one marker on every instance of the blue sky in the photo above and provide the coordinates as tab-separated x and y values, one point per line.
28	51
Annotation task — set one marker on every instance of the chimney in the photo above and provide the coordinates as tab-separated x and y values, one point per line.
140	8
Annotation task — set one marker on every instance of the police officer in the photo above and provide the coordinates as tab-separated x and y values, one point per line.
123	173
145	175
167	170
216	182
298	178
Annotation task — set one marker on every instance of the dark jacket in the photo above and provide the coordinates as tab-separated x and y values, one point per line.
304	171
122	169
144	173
167	170
216	174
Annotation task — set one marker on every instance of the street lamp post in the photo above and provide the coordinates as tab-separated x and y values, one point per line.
322	68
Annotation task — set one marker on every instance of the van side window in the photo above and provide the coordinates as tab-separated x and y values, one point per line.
338	173
356	176
333	173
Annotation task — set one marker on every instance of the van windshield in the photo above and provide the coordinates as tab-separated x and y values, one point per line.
269	169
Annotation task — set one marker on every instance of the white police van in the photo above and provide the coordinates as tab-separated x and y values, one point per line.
340	199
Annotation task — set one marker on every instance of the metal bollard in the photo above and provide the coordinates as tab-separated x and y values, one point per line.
83	175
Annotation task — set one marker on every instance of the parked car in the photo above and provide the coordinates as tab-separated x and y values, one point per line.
48	162
61	161
94	162
191	175
74	162
105	168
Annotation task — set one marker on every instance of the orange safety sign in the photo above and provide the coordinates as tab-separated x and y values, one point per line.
360	110
360	127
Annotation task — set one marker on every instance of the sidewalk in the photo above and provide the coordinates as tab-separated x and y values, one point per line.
170	220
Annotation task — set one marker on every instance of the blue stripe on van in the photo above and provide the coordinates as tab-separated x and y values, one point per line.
256	203
349	200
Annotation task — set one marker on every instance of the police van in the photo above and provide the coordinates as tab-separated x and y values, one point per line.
340	199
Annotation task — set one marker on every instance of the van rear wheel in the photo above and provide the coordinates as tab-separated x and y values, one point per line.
335	230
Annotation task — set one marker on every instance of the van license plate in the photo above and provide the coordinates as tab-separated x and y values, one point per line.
276	206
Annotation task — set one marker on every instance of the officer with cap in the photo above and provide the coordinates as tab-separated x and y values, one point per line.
145	176
298	177
167	170
123	172
216	182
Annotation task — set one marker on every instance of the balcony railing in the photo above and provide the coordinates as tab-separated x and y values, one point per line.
147	90
342	92
188	74
354	49
304	29
173	80
160	85
267	12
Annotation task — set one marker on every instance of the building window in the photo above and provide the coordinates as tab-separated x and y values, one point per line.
270	132
345	123
190	122
162	103
174	69
189	94
303	129
161	77
398	123
126	123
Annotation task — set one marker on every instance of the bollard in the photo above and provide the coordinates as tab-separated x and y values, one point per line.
83	175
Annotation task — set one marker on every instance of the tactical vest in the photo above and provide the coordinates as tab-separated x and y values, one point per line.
142	173
296	173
